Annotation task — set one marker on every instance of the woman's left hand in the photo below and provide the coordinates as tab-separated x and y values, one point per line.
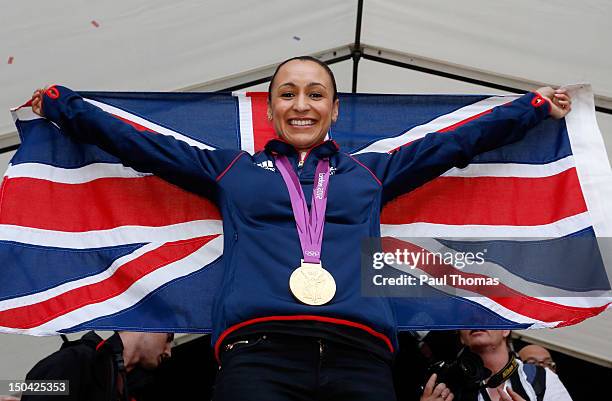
37	98
560	101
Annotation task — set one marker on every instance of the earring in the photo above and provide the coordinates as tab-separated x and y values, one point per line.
269	116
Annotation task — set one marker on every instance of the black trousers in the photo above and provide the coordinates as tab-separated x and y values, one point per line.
285	367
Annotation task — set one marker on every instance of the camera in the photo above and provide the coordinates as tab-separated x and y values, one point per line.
465	374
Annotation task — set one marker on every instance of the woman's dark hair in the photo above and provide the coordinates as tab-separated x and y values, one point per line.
304	58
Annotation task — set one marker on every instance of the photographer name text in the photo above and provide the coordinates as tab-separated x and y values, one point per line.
423	279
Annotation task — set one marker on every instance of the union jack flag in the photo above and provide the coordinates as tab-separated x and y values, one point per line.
88	243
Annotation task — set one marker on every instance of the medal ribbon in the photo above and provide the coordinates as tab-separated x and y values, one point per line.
309	225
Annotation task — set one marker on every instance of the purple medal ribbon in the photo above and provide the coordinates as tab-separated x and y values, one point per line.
309	225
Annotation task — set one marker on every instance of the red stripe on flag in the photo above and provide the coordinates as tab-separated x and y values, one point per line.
509	298
138	127
29	316
447	129
489	201
463	122
100	204
263	130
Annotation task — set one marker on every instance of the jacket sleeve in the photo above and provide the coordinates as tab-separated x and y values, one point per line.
426	158
171	159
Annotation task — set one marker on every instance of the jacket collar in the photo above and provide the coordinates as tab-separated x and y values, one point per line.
113	344
322	150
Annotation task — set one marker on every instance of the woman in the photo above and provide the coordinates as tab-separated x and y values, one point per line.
289	321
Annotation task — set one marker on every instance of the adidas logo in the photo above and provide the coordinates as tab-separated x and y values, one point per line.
266	164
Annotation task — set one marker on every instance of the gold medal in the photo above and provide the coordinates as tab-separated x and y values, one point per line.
312	284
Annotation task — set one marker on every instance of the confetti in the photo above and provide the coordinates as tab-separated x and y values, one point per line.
297	38
10	60
95	23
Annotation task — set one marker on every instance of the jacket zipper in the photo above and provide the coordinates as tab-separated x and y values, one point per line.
230	346
302	159
255	341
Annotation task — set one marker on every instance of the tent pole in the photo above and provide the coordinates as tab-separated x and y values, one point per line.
356	48
603	104
443	74
10	141
263	74
243	85
9	148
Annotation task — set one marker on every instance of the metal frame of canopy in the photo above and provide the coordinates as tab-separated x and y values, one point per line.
357	51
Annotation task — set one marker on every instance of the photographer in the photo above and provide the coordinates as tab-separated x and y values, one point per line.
102	369
496	375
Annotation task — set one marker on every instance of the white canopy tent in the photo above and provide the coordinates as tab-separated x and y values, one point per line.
415	46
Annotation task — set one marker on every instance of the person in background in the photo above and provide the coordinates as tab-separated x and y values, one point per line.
511	380
537	355
98	369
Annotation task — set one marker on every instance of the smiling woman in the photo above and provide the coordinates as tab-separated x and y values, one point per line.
302	102
289	321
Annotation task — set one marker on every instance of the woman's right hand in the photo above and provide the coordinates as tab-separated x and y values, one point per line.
560	101
37	98
439	392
